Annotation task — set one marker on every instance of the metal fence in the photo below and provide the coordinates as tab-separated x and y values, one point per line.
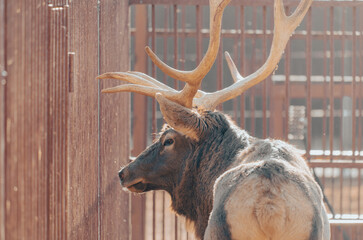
313	99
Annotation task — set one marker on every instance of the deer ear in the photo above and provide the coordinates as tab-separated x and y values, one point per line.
182	119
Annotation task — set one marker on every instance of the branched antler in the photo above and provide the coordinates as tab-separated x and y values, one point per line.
146	85
190	95
284	27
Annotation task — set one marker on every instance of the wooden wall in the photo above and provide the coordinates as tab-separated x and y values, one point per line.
61	141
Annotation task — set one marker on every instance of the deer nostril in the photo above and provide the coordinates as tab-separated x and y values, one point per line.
121	175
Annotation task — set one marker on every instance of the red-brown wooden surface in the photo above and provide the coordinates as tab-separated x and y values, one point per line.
61	141
2	119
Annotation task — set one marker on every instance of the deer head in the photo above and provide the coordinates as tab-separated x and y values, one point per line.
182	110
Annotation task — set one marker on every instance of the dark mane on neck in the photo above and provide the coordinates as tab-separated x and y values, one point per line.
209	158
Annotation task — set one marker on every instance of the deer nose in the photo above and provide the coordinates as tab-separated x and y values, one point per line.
121	175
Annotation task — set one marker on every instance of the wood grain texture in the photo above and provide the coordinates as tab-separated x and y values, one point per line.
57	121
2	119
58	168
83	205
26	170
114	121
139	118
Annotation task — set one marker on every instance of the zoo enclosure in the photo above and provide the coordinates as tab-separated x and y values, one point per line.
313	99
61	141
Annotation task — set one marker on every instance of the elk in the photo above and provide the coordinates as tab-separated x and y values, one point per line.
226	183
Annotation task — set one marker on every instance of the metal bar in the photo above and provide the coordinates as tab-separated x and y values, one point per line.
333	191
165	53
337	157
243	63
341	191
253	68
220	71
176	57
359	190
235	54
264	86
308	82
331	85
153	106
287	85
250	33
350	191
342	79
182	47
290	3
360	82
199	39
175	15
165	40
354	116
325	83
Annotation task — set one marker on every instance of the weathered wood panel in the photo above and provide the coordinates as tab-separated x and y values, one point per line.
57	120
139	119
83	165
26	95
60	144
99	139
2	119
114	121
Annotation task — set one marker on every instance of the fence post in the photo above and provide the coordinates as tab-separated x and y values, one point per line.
2	120
114	120
140	118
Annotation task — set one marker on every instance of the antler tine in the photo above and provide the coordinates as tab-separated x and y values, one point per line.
144	90
195	76
283	29
135	78
232	68
141	83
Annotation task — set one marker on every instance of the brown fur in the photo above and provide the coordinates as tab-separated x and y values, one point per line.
260	187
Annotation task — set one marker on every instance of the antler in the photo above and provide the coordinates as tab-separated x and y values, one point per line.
284	27
146	85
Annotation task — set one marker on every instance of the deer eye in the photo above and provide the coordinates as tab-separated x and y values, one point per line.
168	142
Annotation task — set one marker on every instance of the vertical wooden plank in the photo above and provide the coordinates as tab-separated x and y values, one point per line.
114	121
82	202
25	170
2	118
139	117
57	117
11	193
41	144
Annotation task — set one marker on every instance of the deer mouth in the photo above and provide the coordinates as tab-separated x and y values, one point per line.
139	187
136	186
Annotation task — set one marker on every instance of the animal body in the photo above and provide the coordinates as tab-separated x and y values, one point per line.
228	184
